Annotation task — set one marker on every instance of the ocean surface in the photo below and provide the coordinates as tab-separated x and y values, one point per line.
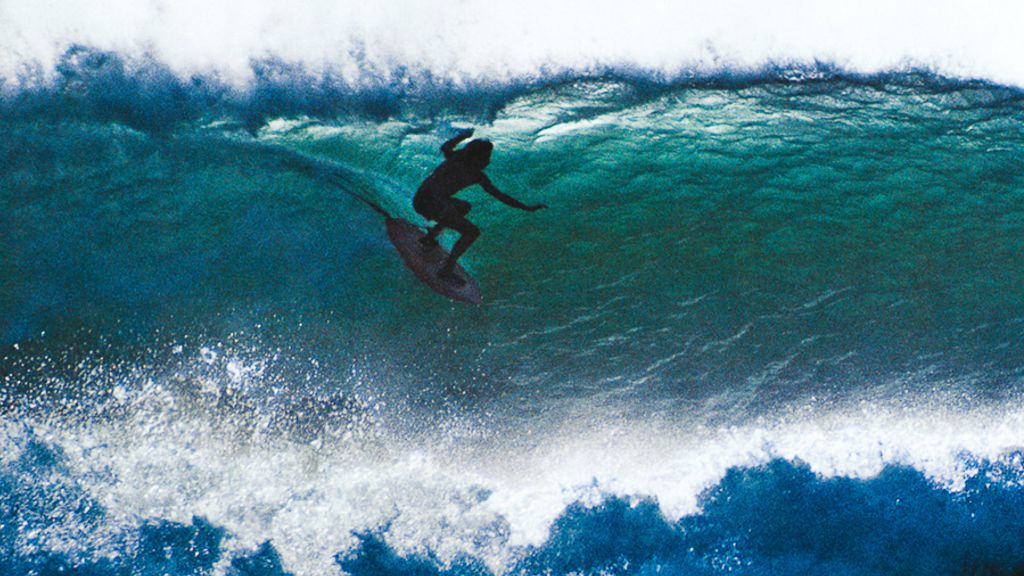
772	322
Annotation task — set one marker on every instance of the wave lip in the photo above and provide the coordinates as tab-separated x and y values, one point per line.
145	93
467	42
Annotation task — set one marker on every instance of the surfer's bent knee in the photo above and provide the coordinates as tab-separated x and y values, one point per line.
464	227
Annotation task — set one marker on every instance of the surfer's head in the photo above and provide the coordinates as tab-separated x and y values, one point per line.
477	153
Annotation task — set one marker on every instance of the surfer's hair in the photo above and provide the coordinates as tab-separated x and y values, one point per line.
477	153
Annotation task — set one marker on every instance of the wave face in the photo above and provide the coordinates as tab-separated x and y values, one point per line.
770	324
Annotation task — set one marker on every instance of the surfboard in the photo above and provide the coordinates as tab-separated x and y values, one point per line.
425	261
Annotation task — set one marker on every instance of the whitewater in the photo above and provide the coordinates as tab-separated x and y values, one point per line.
771	322
468	42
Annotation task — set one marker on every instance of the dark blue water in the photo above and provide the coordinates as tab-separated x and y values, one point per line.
768	325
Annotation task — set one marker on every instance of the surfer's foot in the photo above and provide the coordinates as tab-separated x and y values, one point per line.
451	277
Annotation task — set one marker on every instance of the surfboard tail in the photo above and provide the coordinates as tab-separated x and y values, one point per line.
426	261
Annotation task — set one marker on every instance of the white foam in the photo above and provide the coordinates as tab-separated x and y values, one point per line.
464	40
461	485
307	501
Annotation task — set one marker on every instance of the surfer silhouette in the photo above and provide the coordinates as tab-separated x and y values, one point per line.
435	200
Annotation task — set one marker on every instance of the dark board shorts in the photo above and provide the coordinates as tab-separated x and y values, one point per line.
437	207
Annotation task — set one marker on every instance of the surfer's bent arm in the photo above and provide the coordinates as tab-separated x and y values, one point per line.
448	148
491	189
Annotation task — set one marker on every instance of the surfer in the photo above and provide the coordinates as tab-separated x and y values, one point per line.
435	198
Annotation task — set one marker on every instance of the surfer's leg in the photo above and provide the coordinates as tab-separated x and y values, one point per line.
454	217
468	234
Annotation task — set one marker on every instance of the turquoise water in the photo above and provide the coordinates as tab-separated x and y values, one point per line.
751	301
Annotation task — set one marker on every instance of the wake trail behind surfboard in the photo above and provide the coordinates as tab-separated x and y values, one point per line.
348	180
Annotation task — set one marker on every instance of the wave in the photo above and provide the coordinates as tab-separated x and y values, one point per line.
776	519
461	42
145	93
728	196
219	457
779	517
770	321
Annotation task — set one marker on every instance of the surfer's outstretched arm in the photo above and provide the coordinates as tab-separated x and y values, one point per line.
491	189
448	148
